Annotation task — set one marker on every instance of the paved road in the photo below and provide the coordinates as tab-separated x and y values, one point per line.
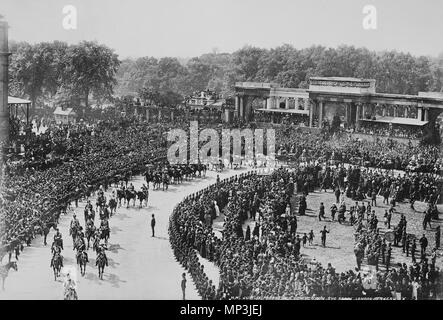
140	267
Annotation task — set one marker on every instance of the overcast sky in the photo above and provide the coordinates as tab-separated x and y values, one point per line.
186	28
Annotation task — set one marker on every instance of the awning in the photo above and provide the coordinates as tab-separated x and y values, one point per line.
398	120
14	100
306	112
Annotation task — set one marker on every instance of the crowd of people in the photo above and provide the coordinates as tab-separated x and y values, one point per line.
266	263
388	154
262	261
385	129
35	191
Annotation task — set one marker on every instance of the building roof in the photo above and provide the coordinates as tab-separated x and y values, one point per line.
340	79
398	120
285	111
66	112
15	100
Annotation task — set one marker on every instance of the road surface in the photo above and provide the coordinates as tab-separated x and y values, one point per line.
140	267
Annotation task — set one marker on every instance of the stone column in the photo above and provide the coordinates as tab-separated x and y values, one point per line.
306	104
4	109
426	114
265	103
363	110
287	103
147	114
395	111
311	114
269	103
237	106
347	114
172	115
320	117
357	115
241	108
383	110
419	113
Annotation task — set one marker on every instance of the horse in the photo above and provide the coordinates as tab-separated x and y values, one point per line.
89	215
112	205
56	247
141	196
79	243
90	232
176	175
82	260
121	194
104	233
57	264
96	244
73	230
128	196
101	262
4	271
156	181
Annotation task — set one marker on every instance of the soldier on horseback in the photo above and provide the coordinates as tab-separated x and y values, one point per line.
58	240
55	248
101	260
56	264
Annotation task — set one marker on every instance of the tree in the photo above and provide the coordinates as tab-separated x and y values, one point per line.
36	70
90	68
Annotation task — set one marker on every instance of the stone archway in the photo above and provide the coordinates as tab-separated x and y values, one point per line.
252	103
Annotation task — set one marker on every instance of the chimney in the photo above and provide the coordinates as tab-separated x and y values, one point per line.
4	109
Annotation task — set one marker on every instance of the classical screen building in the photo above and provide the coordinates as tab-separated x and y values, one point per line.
354	100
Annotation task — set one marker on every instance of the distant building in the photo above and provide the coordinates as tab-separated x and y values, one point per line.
200	100
64	115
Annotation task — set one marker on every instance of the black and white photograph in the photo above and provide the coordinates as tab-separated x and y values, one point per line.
241	151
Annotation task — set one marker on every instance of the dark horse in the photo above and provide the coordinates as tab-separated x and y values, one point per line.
130	195
101	262
120	195
90	232
142	196
112	205
104	233
82	260
57	264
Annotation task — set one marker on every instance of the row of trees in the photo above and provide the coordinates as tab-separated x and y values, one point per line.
44	71
394	71
56	70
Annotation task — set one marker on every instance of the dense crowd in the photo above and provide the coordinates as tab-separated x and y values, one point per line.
385	129
35	192
66	162
387	154
265	263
